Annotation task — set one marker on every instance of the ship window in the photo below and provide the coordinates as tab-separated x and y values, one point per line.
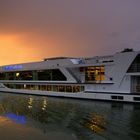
24	75
136	98
68	88
135	66
57	75
94	74
19	86
108	61
51	75
113	97
2	76
43	87
44	75
120	97
61	88
117	97
49	87
9	76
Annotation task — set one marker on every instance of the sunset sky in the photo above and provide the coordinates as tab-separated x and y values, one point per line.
31	30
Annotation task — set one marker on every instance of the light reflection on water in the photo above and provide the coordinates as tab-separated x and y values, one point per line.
34	117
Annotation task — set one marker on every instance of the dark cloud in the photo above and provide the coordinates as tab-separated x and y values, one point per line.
91	26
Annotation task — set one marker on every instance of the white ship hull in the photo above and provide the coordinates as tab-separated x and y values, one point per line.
117	97
110	78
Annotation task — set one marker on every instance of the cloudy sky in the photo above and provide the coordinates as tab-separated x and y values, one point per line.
34	29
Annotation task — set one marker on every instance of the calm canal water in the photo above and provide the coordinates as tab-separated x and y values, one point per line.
41	118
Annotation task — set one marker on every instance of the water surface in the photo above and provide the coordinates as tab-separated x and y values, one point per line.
25	117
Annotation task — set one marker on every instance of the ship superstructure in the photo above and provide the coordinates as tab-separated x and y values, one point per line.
115	77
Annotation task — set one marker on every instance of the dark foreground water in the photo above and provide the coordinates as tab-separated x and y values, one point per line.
40	118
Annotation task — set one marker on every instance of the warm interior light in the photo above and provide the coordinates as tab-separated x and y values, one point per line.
17	74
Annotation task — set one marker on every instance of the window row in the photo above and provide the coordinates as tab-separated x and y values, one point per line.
48	75
56	88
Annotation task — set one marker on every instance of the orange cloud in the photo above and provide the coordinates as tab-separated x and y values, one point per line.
27	47
13	50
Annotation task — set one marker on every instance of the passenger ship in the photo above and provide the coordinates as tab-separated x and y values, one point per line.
112	78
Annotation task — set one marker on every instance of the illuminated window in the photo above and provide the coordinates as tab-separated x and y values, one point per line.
94	74
61	89
68	88
49	87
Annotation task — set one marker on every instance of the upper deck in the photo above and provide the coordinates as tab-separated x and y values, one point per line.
98	69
